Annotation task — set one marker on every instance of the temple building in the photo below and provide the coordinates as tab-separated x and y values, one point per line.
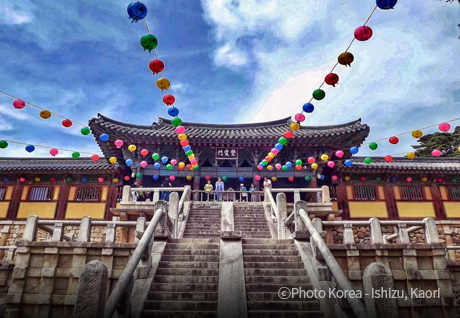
57	188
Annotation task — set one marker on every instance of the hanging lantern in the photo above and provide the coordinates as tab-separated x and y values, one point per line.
284	168
410	155
298	168
288	165
173	111
319	94
269	167
331	79
156	165
30	148
334	178
386	4
378	179
388	158
156	66
339	154
85	131
409	179
444	127
424	179
67	123
45	114
288	134
274	179
156	156
3	144
169	99
104	137
144	164
164	159
136	11
436	153
184	143
346	58
172	178
188	166
294	126
363	33
274	151
331	164
127	178
282	141
363	179
298	162
163	83
155	177
314	166
354	150
393	140
22	179
311	160
144	152
458	149
373	146
100	179
189	178
279	146
149	42
118	143
324	157
368	160
291	179
129	162
299	117
271	155
241	179
182	136
115	180
76	155
278	166
38	179
112	160
347	178
53	179
132	148
180	129
169	166
321	177
439	180
348	163
95	158
176	121
54	151
174	162
308	108
308	178
138	175
19	104
394	179
257	178
417	134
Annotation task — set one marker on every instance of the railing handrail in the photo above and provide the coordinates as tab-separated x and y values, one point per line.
162	189
367	222
126	276
409	230
343	283
226	191
183	198
272	202
296	189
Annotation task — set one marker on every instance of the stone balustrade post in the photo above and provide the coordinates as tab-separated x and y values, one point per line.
348	234
84	234
376	231
91	293
173	211
403	235
282	210
110	233
299	226
126	195
326	196
296	195
431	231
58	232
140	229
30	231
156	195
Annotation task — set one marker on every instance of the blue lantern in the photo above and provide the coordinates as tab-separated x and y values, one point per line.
261	164
129	162
308	108
84	179
322	177
386	4
6	180
155	177
104	137
354	150
241	179
288	165
136	11
30	148
187	148
156	165
173	111
164	159
348	163
393	179
279	146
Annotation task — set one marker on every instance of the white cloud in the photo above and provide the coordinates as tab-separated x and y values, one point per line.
15	14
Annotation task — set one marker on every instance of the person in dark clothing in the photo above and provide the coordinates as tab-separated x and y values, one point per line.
165	194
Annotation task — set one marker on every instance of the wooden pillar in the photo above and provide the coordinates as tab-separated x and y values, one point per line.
437	201
111	202
62	201
390	201
196	186
14	203
342	200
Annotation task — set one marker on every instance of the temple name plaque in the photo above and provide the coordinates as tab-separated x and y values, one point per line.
226	153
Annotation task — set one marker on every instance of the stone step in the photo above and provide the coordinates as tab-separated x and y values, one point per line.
182	251
164	264
182	296
284	305
178	314
204	233
271	258
208	288
274	296
174	305
275	288
193	235
180	279
251	235
274	272
188	271
288	265
272	241
269	247
203	246
288	280
284	314
193	240
252	229
270	252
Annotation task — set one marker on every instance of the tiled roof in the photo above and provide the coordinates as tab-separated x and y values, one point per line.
54	165
404	164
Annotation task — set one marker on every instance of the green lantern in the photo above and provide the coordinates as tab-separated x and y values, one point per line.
454	180
373	146
149	42
3	144
298	162
308	178
189	153
176	121
284	168
378	179
265	162
76	155
155	156
196	167
224	178
319	94
368	161
85	131
169	167
138	175
282	141
68	179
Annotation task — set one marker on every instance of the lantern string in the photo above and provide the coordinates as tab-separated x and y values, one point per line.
38	107
46	147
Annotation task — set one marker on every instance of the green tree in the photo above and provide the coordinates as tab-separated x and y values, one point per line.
448	143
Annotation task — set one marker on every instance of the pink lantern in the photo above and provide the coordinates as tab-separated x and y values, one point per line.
363	33
299	117
54	151
339	153
172	178
118	143
291	179
298	168
193	161
260	167
334	178
53	179
257	178
436	153
409	179
363	179
311	160
278	166
100	179
174	162
274	151
19	104
439	180
144	164
444	127
180	129
331	164
22	179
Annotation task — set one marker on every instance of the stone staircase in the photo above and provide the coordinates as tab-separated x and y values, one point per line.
270	265
250	220
203	221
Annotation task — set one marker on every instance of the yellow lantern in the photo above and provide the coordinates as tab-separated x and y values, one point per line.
112	160
270	167
458	149
182	137
192	156
45	114
132	148
189	178
424	179
347	178
163	83
38	179
417	134
294	126
115	180
274	179
314	166
271	155
324	157
181	164
410	155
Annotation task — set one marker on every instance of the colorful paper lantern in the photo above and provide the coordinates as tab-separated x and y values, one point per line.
138	175
269	167
115	180
314	166
180	129
368	160
291	179
436	153
169	166
67	123
224	178
54	151
410	155
321	177
46	114
311	160
274	179
172	178
169	99
85	131
299	117
30	148
38	179
347	178
354	150
95	158
182	136
104	137
346	58
348	163
324	157
339	154
424	179
439	180
378	179
184	143
363	179
132	148
136	11
100	179
156	66
334	178
373	146
127	178
129	162
68	179
294	126
386	4
257	178
298	162
174	162
156	165
271	155
409	179
144	164
163	84
288	134
3	144
363	33
278	166
288	165
22	179
189	178
155	157
331	79
284	168
308	178
444	127
298	168
149	42
112	160
279	146
417	134
393	140
19	104
118	143
176	121
331	164
282	141
319	94
241	179
173	111
155	177
308	108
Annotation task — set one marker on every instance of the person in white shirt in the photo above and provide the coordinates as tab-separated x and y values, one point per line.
267	183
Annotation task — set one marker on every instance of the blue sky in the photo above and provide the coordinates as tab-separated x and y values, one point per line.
228	61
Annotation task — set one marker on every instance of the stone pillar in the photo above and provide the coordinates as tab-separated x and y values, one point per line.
91	294
348	234
431	231
30	231
281	205
84	234
403	235
196	187
126	196
227	217
376	231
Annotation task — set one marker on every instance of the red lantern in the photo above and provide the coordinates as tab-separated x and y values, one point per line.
127	178
53	179
363	179
332	79
184	143
19	104
394	140
388	158
298	168
439	180
207	178
189	166
311	160
291	179
363	33
22	179
268	159
169	99
409	179
144	152
156	66
288	134
334	178
444	127
95	158
66	123
100	179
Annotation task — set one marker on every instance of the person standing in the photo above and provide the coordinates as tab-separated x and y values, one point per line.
253	191
165	194
219	188
267	185
208	188
243	194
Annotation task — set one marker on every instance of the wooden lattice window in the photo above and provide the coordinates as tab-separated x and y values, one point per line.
333	192
89	194
454	193
365	193
412	193
2	193
40	193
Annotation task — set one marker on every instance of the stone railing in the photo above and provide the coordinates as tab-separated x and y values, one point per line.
228	196
128	195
